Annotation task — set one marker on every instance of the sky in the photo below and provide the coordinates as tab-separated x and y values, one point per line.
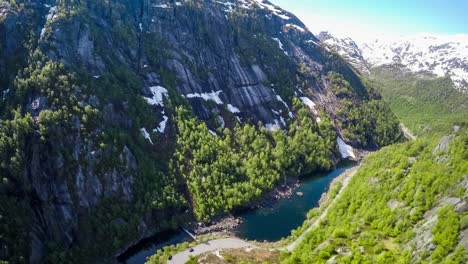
364	20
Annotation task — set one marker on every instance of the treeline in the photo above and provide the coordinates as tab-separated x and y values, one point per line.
231	169
379	216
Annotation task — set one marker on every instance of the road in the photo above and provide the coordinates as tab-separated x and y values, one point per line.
210	246
234	243
349	174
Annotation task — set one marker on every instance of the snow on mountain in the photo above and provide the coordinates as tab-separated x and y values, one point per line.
345	149
436	55
348	49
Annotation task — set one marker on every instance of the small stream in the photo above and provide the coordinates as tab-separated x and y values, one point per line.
270	223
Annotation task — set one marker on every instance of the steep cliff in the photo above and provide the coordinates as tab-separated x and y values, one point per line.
88	114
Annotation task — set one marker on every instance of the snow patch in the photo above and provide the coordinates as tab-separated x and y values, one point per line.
312	41
273	127
212	132
280	44
290	114
229	6
162	125
49	17
233	109
213	96
221	121
274	9
146	135
282	121
345	149
52	13
296	27
309	103
5	93
165	6
159	93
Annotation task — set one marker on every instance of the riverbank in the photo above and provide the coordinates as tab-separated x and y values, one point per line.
346	178
228	224
216	245
218	227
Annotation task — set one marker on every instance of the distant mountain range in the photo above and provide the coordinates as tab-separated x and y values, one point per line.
429	55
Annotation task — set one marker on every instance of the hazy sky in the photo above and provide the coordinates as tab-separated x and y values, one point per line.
367	19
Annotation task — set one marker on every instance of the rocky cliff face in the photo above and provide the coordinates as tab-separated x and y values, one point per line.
125	64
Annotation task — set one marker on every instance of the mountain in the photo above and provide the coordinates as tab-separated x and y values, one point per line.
347	48
122	118
409	75
427	55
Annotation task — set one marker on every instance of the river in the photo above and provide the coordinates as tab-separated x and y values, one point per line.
270	223
276	222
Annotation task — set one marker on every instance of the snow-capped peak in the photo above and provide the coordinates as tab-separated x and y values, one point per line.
437	55
347	48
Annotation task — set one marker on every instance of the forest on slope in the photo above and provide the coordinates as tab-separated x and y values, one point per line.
406	204
108	114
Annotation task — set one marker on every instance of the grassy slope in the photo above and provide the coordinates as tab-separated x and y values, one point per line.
420	103
398	196
378	218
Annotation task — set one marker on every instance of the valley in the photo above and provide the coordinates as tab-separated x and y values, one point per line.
124	122
390	223
267	223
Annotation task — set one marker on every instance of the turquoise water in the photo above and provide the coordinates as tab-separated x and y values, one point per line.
277	221
270	223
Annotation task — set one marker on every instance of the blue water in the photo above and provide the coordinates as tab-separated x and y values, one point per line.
276	222
271	223
145	249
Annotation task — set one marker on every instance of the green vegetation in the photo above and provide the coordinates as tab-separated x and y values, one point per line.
68	121
14	211
61	112
378	217
445	233
238	256
366	120
227	171
422	103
